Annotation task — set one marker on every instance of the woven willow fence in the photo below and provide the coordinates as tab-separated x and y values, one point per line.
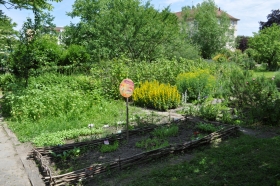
40	154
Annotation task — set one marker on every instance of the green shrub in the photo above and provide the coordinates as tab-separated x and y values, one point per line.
209	111
257	97
165	71
75	55
156	95
44	51
198	84
221	58
6	81
51	96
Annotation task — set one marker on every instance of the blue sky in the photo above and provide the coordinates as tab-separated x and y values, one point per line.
250	12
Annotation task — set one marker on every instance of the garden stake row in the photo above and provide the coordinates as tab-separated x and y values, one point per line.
79	175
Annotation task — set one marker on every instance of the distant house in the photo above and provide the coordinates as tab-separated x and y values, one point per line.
59	30
233	21
219	12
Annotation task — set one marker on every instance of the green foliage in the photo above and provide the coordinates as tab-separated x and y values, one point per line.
58	138
109	148
207	30
208	127
277	79
198	84
38	4
209	111
266	43
152	143
36	48
7	39
156	95
67	154
44	51
164	132
114	28
258	97
75	55
112	72
52	96
220	58
6	80
242	59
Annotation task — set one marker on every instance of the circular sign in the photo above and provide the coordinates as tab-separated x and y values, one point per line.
126	88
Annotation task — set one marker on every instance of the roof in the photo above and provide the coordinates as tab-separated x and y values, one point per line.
58	29
219	12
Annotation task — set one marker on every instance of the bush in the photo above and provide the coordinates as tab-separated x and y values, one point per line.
220	58
257	97
44	51
197	84
209	111
156	95
75	55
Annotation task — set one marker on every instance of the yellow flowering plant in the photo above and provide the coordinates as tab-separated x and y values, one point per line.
156	95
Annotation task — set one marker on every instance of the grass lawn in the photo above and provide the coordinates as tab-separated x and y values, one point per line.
245	160
265	74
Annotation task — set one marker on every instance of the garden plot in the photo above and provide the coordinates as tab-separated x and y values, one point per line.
74	162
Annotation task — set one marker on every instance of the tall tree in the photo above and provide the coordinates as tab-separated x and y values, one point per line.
113	28
37	47
208	27
274	17
266	43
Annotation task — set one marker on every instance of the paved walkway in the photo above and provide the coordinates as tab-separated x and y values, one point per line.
15	168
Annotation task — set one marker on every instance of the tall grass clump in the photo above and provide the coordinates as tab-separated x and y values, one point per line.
157	96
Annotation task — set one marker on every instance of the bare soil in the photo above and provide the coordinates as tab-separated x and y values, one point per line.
126	149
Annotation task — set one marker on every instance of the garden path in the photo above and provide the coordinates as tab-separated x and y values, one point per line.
15	168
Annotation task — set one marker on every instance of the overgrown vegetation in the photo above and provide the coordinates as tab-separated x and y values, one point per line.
52	92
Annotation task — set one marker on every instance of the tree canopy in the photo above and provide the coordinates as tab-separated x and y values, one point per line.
23	4
113	28
274	17
266	43
208	27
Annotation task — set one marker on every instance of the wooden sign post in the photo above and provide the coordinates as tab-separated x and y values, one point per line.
126	90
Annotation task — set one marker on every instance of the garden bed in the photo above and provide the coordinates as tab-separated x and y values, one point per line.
72	163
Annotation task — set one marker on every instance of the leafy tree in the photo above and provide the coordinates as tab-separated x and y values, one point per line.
113	28
266	45
7	38
25	4
242	42
274	17
37	47
207	27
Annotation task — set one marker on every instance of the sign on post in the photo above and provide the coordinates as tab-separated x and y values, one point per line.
126	90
